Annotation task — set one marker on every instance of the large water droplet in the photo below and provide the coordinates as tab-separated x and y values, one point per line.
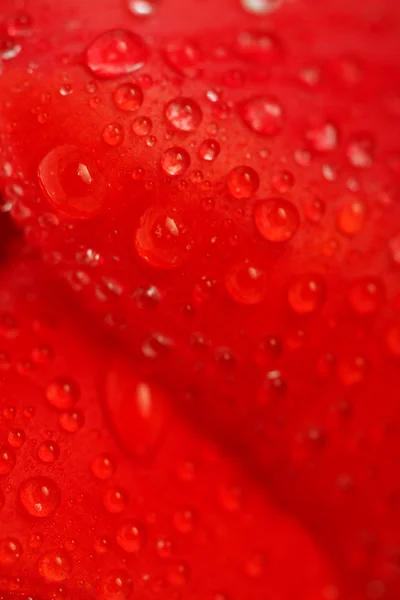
63	393
40	496
246	283
163	238
55	566
276	219
306	294
183	114
242	182
136	408
263	115
116	52
175	161
72	182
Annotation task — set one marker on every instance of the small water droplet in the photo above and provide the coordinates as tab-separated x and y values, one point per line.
366	295
352	369
261	7
142	8
55	566
209	150
175	161
360	151
103	466
72	182
115	53
116	585
276	219
258	46
40	496
323	138
351	216
263	115
306	294
184	57
16	438
62	393
10	551
130	537
184	521
246	283
147	298
314	209
178	574
113	134
7	460
242	182
115	500
128	97
142	126
71	421
184	114
48	451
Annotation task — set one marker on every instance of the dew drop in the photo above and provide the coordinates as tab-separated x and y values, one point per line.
366	295
103	466
242	182
136	408
10	551
40	496
184	57
261	7
209	150
116	52
142	8
116	585
352	369
72	182
16	438
184	521
314	209
178	574
184	114
142	126
48	451
246	283
62	393
71	421
55	566
130	537
360	151
115	500
306	294
128	97
263	115
7	460
323	138
113	134
147	298
257	46
175	161
276	219
351	216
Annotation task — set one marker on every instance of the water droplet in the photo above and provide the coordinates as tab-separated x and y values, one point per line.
184	521
62	393
276	219
261	7
242	182
306	294
40	496
72	182
393	340
184	57
103	466
113	134
183	114
71	421
178	574
147	298
19	25
9	48
352	369
142	126
7	460
366	295
128	97
263	115
115	500
16	437
360	151
175	161
209	150
10	551
137	409
351	216
323	138
116	585
314	209
257	46
268	348
42	355
142	8
48	451
246	283
55	565
115	53
130	536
